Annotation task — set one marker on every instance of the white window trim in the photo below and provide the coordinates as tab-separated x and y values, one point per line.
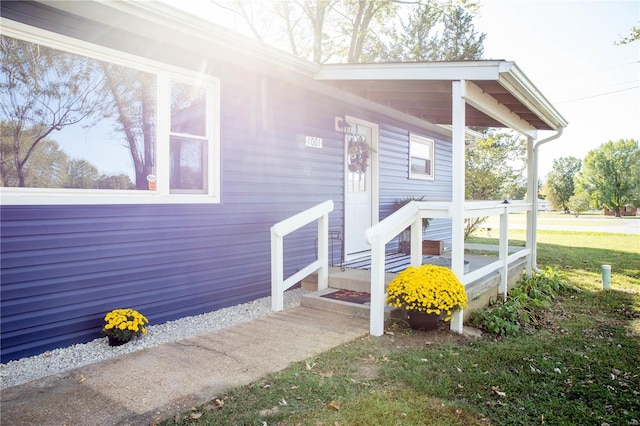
164	73
413	138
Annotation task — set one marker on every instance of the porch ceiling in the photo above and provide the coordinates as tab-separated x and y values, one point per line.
424	90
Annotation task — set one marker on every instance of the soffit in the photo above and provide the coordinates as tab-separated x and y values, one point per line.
424	90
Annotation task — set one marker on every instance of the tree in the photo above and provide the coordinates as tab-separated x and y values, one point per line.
47	166
560	186
495	170
634	35
133	94
459	39
42	90
579	203
82	174
495	167
365	31
120	181
611	174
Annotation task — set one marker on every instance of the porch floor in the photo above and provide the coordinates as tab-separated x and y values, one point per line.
397	262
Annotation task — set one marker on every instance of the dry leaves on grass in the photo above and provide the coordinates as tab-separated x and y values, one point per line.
334	405
498	392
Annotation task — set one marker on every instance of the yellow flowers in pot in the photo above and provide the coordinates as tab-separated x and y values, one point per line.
124	324
428	288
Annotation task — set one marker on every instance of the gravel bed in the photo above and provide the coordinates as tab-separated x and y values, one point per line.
60	360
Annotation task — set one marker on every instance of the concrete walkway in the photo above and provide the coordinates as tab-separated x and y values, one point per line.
145	386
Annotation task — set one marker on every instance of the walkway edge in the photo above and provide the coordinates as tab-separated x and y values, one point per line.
145	386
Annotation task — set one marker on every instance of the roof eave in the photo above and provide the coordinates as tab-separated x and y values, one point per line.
506	73
463	70
518	84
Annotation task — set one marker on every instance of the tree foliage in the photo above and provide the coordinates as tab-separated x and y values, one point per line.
560	181
365	31
49	166
634	35
42	91
495	170
133	94
579	203
611	174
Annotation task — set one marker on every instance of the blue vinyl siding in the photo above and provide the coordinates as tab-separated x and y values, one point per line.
63	267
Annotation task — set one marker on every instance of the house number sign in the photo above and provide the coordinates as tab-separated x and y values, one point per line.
313	142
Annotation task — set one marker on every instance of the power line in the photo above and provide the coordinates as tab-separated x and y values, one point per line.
597	95
573	74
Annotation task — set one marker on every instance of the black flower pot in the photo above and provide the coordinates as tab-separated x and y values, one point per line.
423	321
114	341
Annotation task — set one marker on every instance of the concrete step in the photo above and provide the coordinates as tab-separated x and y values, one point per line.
317	301
349	279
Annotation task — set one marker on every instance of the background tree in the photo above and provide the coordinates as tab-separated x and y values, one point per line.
611	174
82	174
134	104
634	35
494	171
459	39
42	90
579	203
560	182
363	30
47	166
120	181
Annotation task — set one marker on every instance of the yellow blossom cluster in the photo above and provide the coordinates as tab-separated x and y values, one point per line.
125	323
428	288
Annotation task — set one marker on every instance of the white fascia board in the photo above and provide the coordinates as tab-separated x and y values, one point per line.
204	33
519	85
489	105
465	70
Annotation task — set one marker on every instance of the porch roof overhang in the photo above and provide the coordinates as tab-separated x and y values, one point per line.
497	93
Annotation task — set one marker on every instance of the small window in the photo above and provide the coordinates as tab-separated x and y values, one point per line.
421	156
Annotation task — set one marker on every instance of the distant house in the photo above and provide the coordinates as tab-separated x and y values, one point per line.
627	210
234	136
543	205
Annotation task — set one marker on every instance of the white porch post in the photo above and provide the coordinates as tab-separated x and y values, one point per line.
504	252
532	196
458	189
416	242
376	311
323	252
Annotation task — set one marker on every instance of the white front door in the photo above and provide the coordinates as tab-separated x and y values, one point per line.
361	185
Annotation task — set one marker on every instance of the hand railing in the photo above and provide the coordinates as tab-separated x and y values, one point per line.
411	215
321	264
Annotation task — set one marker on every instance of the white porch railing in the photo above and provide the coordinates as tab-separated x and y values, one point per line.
411	215
280	230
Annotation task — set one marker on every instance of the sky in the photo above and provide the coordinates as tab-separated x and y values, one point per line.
566	48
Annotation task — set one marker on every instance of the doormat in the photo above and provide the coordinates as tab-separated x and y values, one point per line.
350	296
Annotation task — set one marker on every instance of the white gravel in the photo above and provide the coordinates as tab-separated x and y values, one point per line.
60	360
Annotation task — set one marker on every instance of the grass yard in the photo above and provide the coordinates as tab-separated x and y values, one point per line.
581	366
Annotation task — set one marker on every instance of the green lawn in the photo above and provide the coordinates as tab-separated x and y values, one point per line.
580	366
587	220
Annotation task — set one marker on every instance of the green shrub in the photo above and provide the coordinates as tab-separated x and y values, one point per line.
526	305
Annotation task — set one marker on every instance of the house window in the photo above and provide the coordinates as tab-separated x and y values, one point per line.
421	157
82	124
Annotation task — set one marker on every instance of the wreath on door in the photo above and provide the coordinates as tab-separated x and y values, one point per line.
358	154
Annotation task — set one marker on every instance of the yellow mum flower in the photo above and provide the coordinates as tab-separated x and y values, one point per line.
427	288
